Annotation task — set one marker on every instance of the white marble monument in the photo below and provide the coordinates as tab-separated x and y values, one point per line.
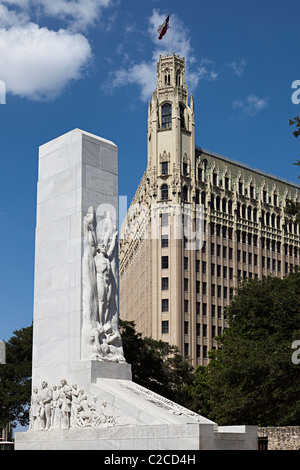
83	396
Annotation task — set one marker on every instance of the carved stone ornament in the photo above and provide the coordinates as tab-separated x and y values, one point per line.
66	407
100	337
165	156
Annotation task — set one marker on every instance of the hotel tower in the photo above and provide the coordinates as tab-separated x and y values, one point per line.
176	287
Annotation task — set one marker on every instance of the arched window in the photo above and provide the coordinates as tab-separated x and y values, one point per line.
278	222
166	115
273	220
203	198
249	210
217	203
229	207
164	192
254	215
243	211
224	205
182	120
185	193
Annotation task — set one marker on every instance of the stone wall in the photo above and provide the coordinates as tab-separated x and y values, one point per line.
281	438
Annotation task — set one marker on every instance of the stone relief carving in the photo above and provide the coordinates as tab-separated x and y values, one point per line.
66	407
101	339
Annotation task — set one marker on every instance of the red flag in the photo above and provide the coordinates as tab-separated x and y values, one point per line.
164	28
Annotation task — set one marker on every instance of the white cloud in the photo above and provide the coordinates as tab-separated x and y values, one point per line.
143	74
10	18
238	69
80	13
37	63
251	105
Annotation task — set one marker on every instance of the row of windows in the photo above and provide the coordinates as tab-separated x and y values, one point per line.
242	237
215	330
201	308
244	212
269	198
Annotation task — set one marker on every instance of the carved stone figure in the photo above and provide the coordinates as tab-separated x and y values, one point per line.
45	411
101	338
66	407
35	410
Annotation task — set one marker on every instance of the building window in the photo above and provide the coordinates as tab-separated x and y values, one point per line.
186	327
164	192
182	120
186	349
164	241
164	168
186	263
186	306
166	115
186	284
165	283
185	193
164	219
165	305
164	262
165	327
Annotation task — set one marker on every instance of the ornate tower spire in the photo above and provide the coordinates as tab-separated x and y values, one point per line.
171	128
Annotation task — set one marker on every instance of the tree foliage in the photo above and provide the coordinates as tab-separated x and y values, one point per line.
15	378
292	207
156	365
252	379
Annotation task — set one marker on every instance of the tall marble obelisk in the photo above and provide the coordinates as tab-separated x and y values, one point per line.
75	327
82	393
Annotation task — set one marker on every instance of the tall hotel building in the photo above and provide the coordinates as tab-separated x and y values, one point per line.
175	293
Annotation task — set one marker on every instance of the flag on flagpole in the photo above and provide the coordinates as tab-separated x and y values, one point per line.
164	28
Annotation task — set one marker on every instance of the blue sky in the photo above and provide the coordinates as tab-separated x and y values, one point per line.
91	64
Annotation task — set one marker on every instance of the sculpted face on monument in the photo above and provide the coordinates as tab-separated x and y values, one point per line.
101	339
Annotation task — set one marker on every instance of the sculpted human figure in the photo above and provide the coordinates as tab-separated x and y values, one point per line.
35	410
101	339
84	413
46	398
104	281
55	408
74	406
66	401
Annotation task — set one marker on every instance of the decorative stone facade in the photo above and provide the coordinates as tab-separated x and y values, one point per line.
179	294
281	438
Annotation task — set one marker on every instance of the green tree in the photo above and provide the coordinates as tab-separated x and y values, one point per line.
293	208
15	378
156	365
252	378
195	395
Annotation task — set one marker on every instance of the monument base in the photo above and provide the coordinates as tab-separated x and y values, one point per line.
135	418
